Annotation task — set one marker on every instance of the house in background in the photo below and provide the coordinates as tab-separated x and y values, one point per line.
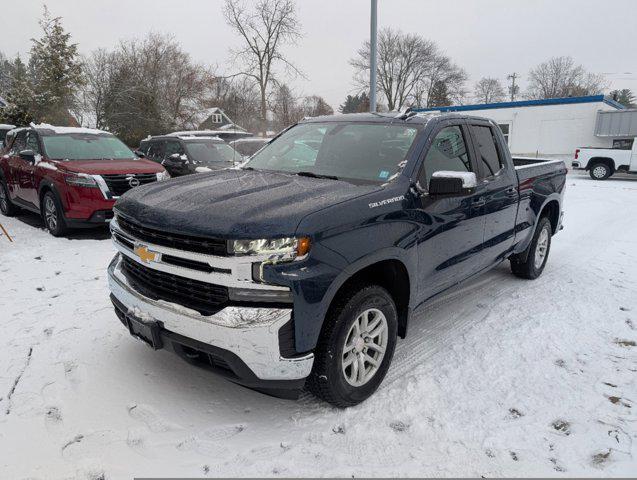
215	119
553	127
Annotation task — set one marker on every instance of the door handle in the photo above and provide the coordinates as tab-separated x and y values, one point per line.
511	191
478	202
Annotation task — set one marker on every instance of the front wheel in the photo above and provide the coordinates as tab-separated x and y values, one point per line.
356	347
600	171
7	208
533	266
52	215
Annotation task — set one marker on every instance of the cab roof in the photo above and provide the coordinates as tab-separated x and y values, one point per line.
410	117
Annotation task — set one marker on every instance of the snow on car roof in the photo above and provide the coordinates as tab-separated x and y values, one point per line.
62	130
252	139
4	126
199	133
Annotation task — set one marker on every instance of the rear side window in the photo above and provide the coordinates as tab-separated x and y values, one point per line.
173	147
19	143
489	157
448	152
32	142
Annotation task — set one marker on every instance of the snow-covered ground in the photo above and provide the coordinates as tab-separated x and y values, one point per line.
503	377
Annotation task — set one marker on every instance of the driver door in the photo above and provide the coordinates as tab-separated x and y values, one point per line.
451	227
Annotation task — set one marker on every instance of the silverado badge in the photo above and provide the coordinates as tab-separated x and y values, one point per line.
145	255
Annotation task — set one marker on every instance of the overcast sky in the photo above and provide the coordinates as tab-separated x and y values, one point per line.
486	37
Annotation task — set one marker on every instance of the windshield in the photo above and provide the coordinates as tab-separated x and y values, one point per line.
82	146
354	151
210	152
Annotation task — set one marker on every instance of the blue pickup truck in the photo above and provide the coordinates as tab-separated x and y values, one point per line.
301	268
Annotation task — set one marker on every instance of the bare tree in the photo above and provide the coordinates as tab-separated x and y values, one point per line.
402	60
561	77
144	87
409	69
265	29
285	106
488	90
442	84
238	97
315	106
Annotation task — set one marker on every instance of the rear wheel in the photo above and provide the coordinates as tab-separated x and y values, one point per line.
7	208
533	266
356	347
600	171
52	215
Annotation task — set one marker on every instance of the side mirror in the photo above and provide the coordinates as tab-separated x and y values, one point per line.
140	154
452	183
28	155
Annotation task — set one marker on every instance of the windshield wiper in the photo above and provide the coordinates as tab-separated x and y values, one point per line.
315	175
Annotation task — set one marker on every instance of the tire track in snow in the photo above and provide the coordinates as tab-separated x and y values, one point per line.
17	381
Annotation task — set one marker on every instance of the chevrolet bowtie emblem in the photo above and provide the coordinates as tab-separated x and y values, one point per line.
144	254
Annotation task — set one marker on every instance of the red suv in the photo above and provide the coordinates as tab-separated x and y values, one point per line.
70	176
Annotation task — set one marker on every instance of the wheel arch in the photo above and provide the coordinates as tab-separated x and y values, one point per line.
551	209
48	186
605	160
390	273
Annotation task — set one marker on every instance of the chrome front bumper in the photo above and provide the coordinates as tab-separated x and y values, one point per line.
250	333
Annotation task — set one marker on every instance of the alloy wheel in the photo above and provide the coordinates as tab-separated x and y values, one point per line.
541	248
365	346
50	213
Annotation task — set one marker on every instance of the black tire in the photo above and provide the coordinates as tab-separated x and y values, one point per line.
7	208
529	268
52	215
600	171
328	378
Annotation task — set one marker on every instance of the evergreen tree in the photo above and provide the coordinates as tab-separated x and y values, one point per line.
19	111
355	104
55	70
624	96
439	96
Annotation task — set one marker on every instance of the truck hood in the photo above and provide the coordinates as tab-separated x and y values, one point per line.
105	167
234	203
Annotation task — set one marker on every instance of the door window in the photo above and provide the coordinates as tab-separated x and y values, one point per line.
489	157
154	151
448	152
172	148
19	143
32	142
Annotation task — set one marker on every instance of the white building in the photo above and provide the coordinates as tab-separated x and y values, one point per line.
546	128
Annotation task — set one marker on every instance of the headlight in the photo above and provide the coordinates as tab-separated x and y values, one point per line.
163	176
80	180
288	248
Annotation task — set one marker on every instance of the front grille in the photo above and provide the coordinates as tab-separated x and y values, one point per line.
203	297
211	246
121	183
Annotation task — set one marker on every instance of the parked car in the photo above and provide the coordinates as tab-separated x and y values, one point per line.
601	163
293	271
70	176
225	135
249	146
4	129
186	155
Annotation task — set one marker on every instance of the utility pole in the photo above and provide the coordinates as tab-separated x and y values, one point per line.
513	89
373	55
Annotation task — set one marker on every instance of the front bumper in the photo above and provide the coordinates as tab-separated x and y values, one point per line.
247	334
